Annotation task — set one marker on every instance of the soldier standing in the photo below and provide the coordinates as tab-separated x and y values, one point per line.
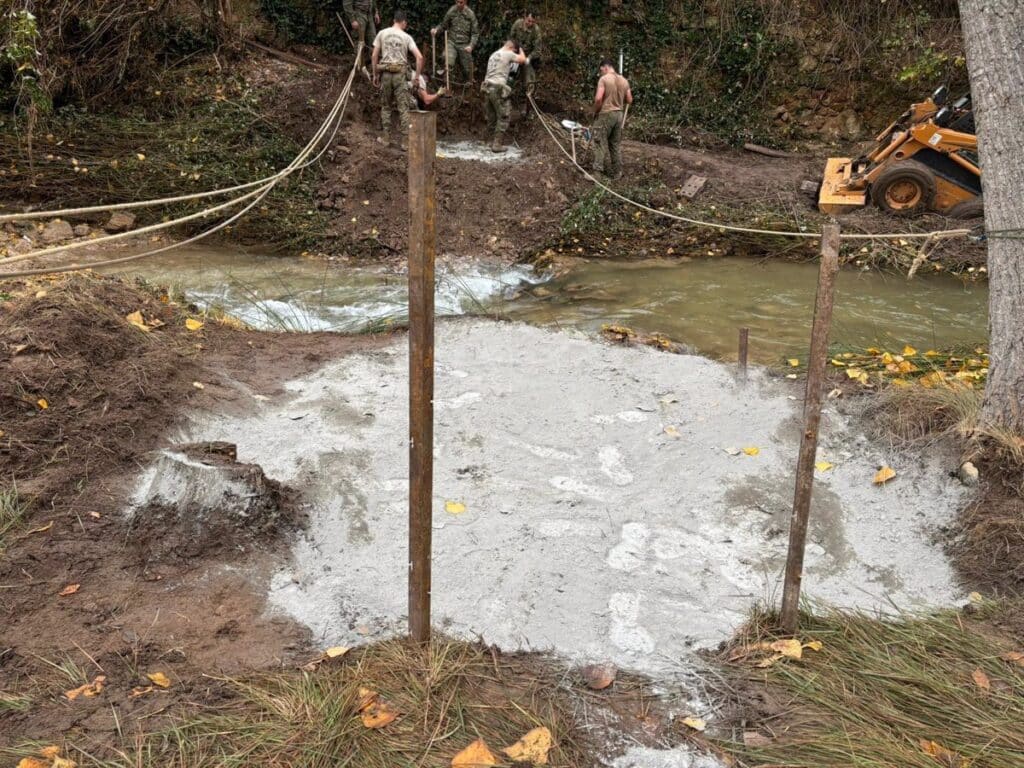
613	94
390	60
497	92
527	32
463	32
364	16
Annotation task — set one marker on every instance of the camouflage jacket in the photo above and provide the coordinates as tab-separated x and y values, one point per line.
462	27
528	38
359	6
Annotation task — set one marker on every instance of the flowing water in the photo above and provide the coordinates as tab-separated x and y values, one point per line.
699	303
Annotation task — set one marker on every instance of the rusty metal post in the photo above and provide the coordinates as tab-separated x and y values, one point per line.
422	210
744	339
812	418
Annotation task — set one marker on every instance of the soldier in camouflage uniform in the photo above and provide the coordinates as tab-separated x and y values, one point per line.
526	32
497	92
364	16
463	32
390	59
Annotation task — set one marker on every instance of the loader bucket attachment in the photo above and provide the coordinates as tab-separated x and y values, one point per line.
836	196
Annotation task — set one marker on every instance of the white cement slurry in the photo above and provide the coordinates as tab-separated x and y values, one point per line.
588	529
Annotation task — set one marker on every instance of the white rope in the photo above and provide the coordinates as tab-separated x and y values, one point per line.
937	235
334	117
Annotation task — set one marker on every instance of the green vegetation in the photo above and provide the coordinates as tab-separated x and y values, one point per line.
909	691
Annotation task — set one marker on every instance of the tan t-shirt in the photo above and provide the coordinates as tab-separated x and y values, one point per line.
395	46
615	89
499	65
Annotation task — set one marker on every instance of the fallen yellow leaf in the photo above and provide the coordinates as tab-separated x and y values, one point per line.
135	318
532	748
884	475
198	385
981	679
945	756
336	651
33	762
695	722
159	679
43	405
794	362
63	762
454	507
931	353
88	690
823	466
192	324
51	752
790	648
751	450
672	431
908	351
476	755
136	692
378	714
70	589
814	645
1014	657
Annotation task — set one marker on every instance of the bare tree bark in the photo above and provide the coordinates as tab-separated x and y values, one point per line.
994	40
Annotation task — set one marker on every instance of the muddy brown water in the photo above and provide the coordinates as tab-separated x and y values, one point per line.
699	303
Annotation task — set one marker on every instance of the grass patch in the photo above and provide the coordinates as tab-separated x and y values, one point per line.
12	511
918	414
886	692
448	695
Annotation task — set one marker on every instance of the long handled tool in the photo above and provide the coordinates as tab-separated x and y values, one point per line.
433	55
447	65
624	116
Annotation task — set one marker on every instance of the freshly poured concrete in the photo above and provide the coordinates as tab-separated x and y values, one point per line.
587	528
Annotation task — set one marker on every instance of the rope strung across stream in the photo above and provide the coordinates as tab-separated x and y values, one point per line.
330	125
929	237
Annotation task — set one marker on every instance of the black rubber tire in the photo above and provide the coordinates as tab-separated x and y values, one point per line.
968	209
907	171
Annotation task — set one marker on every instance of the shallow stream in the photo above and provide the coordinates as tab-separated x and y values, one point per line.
699	303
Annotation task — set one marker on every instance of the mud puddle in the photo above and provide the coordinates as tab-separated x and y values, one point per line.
698	303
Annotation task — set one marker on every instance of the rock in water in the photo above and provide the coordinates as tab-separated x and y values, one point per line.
81	230
968	474
119	222
57	231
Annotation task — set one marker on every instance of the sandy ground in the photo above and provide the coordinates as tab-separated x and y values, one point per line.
588	529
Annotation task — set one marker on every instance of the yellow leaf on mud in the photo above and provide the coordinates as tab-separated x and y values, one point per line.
814	645
135	318
88	690
454	507
873	351
367	697
695	722
887	358
945	756
192	324
858	374
532	748
198	385
70	589
378	714
981	679
751	450
159	679
790	648
51	752
908	351
931	353
884	475
672	431
838	363
476	755
1014	657
33	762
823	466
794	362
43	405
336	651
63	762
140	156
42	529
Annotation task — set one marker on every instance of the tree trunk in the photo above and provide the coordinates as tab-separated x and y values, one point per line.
994	39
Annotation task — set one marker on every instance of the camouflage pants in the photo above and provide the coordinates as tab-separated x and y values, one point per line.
497	107
529	77
456	54
394	92
607	132
367	32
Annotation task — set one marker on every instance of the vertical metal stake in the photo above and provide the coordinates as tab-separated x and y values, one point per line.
812	419
744	340
422	210
572	137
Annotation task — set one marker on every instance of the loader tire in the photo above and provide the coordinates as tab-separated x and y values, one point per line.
905	189
968	209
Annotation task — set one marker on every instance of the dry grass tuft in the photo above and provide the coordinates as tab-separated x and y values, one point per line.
881	691
917	414
448	695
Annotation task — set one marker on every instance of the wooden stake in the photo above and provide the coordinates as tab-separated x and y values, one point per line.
447	66
812	418
744	343
422	210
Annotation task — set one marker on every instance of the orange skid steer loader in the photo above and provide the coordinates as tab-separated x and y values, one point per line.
927	160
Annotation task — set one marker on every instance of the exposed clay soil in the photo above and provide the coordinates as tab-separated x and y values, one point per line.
113	395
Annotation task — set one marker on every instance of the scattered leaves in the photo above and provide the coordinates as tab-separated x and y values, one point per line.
70	589
374	712
192	324
50	758
532	748
884	475
89	690
135	319
599	676
159	679
476	755
695	722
